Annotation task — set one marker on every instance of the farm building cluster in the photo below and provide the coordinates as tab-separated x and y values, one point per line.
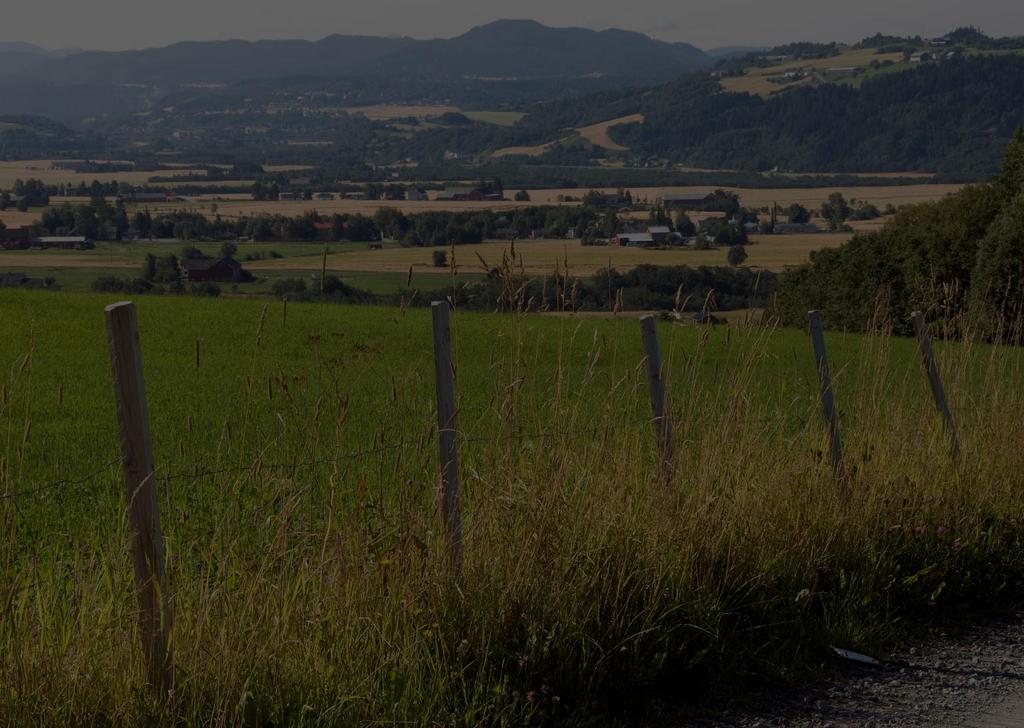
29	238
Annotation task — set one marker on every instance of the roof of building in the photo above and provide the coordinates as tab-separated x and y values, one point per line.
659	229
63	239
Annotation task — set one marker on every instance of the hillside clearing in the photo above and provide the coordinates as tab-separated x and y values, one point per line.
597	134
756	79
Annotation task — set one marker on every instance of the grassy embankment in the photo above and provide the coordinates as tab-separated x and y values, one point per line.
309	584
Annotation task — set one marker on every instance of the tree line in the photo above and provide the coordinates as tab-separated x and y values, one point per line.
960	258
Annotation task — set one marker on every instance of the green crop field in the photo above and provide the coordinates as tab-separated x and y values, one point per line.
296	463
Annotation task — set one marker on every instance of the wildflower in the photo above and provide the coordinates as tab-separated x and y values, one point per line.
941	531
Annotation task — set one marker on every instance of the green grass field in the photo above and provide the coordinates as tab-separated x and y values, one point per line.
296	468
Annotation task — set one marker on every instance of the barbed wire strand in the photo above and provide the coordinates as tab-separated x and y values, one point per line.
63	482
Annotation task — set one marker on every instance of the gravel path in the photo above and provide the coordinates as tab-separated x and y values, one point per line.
974	678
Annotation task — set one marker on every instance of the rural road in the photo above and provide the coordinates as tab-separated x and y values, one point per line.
974	678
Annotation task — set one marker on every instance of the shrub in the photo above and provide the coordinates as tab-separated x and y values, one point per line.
737	255
288	287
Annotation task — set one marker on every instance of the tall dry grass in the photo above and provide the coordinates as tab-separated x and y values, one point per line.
325	597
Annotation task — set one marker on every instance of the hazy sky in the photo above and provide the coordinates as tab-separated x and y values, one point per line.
119	24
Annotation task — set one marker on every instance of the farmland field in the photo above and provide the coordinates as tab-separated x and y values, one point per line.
533	151
810	197
43	169
755	80
770	252
296	468
387	270
293	208
13	218
597	134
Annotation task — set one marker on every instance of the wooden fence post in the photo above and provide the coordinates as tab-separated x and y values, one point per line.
323	272
140	491
828	405
444	380
656	386
924	344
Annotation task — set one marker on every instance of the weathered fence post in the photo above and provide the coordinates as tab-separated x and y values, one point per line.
924	344
140	491
444	376
828	405
656	386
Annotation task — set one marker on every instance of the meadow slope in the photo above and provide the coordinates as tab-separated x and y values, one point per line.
296	469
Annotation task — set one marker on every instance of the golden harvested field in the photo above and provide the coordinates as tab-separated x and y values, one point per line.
597	134
275	168
42	169
13	218
810	197
773	252
523	151
246	208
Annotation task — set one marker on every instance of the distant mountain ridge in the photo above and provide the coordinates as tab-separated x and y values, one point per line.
520	49
19	47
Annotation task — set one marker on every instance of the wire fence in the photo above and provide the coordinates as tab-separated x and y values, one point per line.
141	476
260	465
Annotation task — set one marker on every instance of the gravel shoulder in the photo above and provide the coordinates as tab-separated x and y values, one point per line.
974	678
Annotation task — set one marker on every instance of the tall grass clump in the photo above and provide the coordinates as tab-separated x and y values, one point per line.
310	584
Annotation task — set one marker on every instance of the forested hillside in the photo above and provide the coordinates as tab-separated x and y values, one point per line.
952	117
25	137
